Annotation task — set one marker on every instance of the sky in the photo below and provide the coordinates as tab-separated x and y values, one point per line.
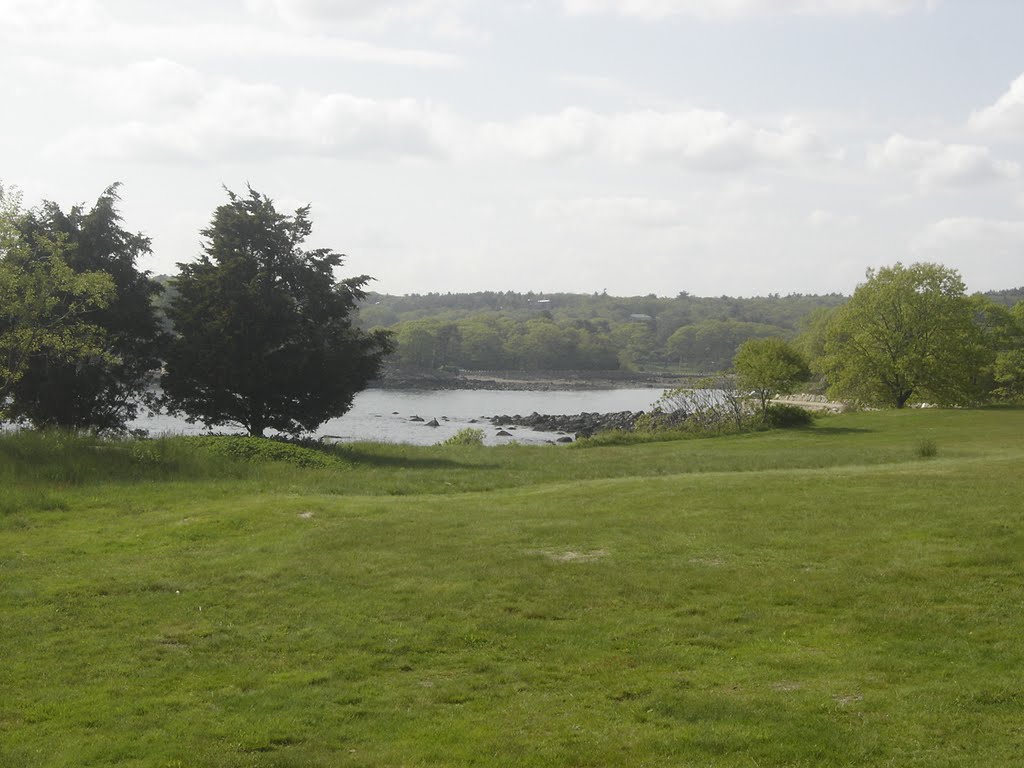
717	147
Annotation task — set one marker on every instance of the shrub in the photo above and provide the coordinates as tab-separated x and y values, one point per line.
467	436
253	449
785	416
712	406
927	449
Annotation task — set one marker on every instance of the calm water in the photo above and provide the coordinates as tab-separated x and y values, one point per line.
383	415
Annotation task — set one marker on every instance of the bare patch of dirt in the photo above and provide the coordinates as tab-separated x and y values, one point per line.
572	556
787	686
711	562
847	699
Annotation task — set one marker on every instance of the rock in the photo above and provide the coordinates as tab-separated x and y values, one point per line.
416	418
565	439
503	433
581	424
432	423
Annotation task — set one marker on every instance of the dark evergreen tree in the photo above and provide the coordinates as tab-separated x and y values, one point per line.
264	334
102	392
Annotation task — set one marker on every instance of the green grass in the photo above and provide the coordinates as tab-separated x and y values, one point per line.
825	596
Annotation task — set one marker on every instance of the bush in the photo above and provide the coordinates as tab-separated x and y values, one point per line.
785	416
467	436
927	449
252	449
713	406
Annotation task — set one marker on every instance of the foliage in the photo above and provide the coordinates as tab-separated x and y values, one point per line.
507	330
927	449
254	449
787	416
466	436
768	368
1003	329
56	458
44	304
101	392
908	332
1008	373
711	406
264	335
712	344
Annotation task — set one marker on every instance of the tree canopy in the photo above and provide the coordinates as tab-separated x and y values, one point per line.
44	304
907	332
264	334
769	367
103	391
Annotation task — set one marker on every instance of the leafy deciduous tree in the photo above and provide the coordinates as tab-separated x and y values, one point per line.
907	332
265	335
769	367
1008	367
43	302
103	391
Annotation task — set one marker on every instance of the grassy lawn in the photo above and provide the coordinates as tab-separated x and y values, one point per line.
799	598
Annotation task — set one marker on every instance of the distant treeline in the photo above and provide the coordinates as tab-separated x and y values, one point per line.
506	330
567	331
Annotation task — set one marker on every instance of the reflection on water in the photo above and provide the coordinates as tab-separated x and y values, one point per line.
384	415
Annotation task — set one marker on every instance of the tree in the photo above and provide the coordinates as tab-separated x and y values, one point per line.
769	367
101	392
44	304
907	332
264	334
1008	368
542	345
635	343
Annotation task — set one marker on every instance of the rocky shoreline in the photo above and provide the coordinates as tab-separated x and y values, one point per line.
579	424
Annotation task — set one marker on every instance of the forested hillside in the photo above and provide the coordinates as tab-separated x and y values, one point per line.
505	330
534	331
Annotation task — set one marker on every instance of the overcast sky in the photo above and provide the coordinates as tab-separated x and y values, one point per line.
739	147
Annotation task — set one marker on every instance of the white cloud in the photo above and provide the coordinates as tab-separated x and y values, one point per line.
935	164
319	12
80	27
975	237
28	14
590	82
154	88
1006	116
618	211
828	220
201	120
727	9
696	139
443	17
164	111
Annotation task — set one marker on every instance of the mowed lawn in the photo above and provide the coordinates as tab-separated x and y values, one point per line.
821	597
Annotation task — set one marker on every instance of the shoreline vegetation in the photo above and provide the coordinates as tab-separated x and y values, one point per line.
536	381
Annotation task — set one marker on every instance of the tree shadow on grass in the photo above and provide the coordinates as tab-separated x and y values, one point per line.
407	462
840	430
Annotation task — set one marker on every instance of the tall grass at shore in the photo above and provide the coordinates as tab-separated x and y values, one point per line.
819	597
